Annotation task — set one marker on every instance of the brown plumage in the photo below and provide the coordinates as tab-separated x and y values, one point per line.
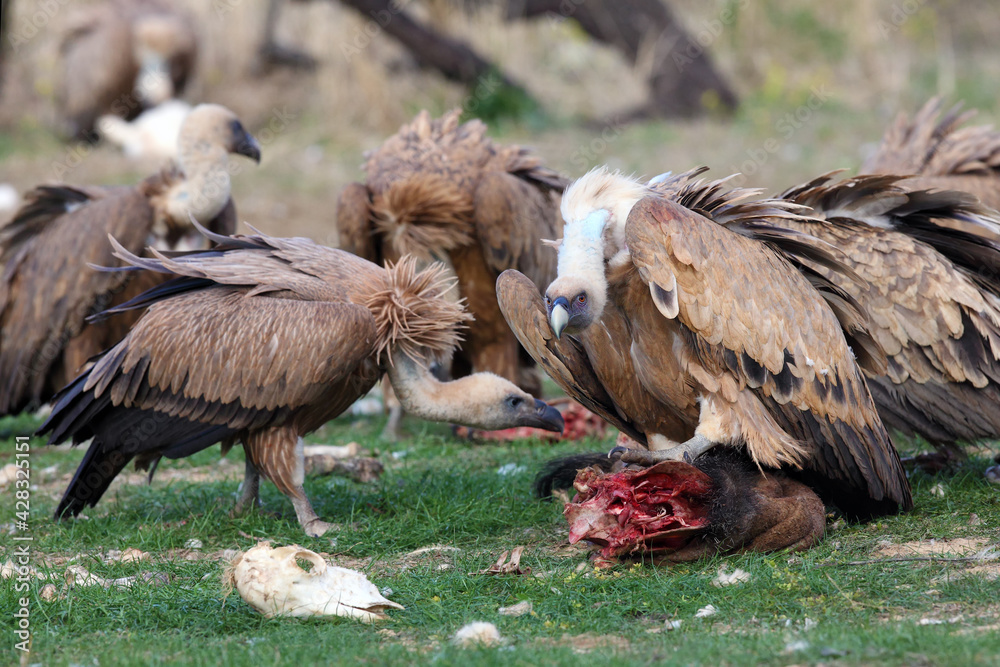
120	57
931	260
940	153
262	340
711	330
441	190
47	289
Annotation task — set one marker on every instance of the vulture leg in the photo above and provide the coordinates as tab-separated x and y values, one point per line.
391	432
277	454
249	492
686	451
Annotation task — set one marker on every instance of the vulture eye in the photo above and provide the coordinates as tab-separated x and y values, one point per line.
581	299
515	401
548	301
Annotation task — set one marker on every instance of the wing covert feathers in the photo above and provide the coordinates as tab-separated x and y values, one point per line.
562	358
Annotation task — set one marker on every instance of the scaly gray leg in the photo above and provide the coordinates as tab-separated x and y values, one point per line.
686	451
250	494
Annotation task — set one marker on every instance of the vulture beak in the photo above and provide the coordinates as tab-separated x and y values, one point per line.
244	143
559	316
545	417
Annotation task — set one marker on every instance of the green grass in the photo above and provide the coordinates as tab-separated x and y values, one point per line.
446	492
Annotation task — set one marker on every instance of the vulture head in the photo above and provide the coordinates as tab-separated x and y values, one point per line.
595	209
208	136
210	130
494	403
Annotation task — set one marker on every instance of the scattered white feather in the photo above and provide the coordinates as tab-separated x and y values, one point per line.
706	611
672	624
519	609
510	469
477	632
724	578
938	490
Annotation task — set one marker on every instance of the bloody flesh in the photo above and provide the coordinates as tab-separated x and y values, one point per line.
658	509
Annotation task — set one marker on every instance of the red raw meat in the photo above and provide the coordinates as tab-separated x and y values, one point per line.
656	510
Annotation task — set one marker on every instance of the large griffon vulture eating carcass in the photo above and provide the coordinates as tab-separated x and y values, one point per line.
441	190
121	57
685	316
262	340
47	289
940	154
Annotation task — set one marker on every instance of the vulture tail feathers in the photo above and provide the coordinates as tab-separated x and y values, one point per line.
119	435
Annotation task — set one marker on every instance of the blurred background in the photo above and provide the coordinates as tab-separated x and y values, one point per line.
780	90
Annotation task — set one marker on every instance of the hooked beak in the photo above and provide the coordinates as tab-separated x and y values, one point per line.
559	316
246	145
545	417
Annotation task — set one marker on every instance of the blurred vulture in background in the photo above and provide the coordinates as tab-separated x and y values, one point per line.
121	57
687	318
931	259
48	289
443	191
941	154
262	340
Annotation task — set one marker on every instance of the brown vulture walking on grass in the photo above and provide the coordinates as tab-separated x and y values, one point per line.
47	289
940	154
262	340
687	318
441	190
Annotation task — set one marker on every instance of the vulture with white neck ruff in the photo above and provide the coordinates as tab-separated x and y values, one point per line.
262	340
48	289
684	315
441	190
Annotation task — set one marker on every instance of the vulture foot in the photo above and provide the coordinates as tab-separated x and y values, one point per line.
392	432
686	451
317	527
249	490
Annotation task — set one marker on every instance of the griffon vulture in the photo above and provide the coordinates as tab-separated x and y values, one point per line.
931	259
940	154
47	289
121	57
687	316
262	340
443	191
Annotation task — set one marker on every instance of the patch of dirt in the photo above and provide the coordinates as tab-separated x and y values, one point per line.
960	546
587	642
985	572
